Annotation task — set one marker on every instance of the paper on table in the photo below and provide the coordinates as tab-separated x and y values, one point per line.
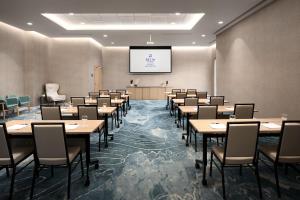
271	125
217	126
71	126
17	126
229	108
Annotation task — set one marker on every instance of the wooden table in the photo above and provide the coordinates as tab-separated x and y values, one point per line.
190	110
83	131
101	110
203	127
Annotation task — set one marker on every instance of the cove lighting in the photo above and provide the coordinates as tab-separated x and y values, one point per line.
127	21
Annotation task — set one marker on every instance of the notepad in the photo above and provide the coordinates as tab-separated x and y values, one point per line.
17	126
271	125
71	126
229	108
217	126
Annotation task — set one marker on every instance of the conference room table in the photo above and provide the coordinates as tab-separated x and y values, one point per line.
101	110
217	127
80	129
192	110
120	102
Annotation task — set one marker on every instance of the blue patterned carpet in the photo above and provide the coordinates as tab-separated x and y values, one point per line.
148	160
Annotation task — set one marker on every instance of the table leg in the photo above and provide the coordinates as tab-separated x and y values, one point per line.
124	109
88	159
106	129
171	107
167	103
118	125
128	104
187	129
204	162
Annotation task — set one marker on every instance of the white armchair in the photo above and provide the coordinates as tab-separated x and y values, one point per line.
51	93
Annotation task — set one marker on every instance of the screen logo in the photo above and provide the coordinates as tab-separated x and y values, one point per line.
150	61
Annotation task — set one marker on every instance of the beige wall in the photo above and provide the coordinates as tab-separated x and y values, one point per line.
70	64
192	67
258	60
35	65
12	42
28	60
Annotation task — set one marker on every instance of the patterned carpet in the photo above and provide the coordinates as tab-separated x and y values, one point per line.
148	160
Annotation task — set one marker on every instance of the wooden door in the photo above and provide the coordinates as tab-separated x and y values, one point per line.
97	78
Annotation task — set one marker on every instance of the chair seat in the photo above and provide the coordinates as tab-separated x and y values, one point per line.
73	152
19	153
219	152
271	152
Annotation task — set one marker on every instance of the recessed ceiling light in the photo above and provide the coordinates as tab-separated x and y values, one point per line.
173	23
193	42
29	23
71	14
105	35
177	13
203	35
220	22
187	21
112	43
82	23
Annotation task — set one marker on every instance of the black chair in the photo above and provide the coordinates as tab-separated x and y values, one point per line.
287	152
45	137
240	149
244	111
11	157
50	112
77	101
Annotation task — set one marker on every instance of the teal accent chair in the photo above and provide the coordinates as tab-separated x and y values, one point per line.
25	101
12	103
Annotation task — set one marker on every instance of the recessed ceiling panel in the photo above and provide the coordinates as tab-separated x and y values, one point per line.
133	21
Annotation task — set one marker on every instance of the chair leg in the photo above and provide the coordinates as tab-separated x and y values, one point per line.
81	164
69	181
99	145
286	169
7	171
195	141
211	161
223	182
241	170
52	171
12	182
33	180
277	180
258	181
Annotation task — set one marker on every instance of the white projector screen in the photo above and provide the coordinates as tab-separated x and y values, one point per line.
150	59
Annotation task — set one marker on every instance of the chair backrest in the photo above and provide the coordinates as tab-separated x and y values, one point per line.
50	143
180	95
24	99
244	111
50	112
102	100
77	101
5	149
52	89
217	100
91	111
12	101
207	112
104	92
191	101
289	140
174	91
191	91
94	95
122	91
202	95
241	142
114	95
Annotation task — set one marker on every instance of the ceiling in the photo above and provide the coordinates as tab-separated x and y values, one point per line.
19	13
